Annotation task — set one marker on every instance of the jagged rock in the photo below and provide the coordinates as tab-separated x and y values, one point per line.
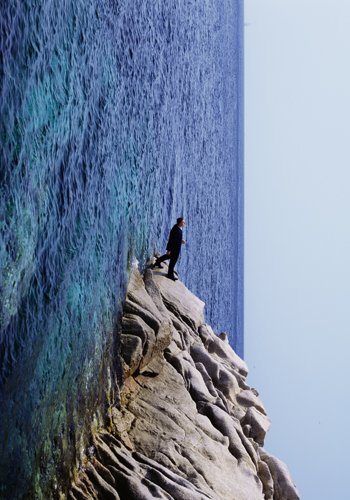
131	350
188	425
266	479
258	423
219	348
248	398
180	301
283	486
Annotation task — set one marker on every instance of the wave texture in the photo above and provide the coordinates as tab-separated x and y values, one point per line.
116	118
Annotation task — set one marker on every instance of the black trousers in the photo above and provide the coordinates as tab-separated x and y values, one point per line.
173	259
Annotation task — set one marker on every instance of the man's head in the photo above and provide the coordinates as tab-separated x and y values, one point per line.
180	222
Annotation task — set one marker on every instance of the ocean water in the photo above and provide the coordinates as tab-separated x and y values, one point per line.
116	118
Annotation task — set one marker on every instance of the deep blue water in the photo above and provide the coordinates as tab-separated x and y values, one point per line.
116	118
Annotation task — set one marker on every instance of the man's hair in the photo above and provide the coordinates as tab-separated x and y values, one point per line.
180	219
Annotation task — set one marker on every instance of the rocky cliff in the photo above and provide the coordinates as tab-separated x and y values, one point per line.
188	426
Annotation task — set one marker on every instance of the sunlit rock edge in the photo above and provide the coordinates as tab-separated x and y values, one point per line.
188	425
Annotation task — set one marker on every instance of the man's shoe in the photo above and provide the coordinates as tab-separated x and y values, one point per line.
171	277
157	265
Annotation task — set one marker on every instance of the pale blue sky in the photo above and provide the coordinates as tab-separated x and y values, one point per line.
297	238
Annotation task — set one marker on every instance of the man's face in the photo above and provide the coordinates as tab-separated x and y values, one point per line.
182	223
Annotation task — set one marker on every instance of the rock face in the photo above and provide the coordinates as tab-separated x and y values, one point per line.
188	426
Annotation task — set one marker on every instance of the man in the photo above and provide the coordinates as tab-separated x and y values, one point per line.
173	248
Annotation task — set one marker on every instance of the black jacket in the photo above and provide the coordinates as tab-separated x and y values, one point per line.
175	240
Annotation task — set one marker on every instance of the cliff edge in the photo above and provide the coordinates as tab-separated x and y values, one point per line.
188	426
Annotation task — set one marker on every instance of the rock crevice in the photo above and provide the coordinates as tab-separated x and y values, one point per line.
188	426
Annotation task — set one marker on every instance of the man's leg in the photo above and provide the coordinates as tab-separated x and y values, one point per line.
161	259
173	260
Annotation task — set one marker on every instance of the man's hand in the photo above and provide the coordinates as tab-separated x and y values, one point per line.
168	252
183	242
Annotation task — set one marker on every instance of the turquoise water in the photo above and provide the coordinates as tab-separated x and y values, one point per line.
116	118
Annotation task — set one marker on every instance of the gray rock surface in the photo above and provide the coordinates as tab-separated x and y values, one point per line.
188	426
